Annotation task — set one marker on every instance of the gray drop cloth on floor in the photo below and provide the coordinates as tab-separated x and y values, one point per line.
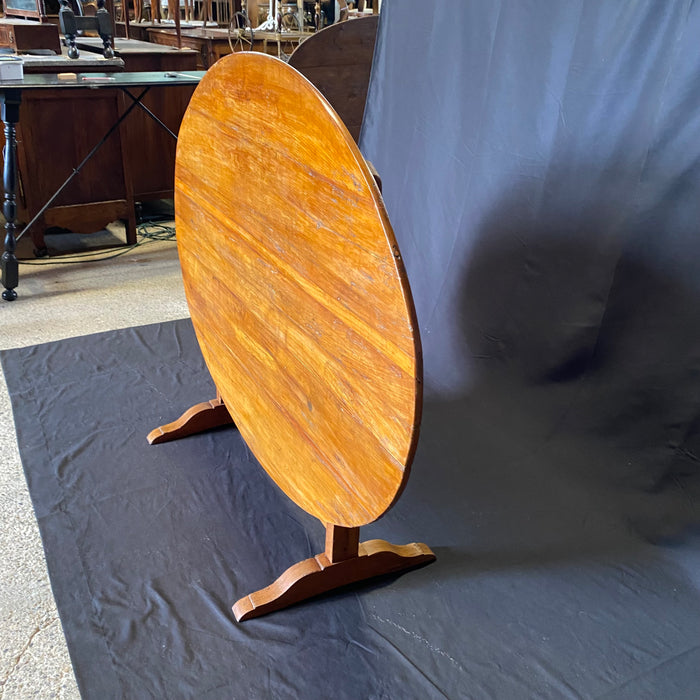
561	572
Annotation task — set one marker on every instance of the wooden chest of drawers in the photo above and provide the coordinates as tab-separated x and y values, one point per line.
25	35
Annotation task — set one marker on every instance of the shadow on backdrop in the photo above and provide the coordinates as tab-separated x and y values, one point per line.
577	435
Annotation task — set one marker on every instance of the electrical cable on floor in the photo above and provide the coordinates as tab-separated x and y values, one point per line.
146	233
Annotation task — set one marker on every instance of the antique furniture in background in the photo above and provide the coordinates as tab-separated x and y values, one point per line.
100	22
23	35
210	43
338	61
34	9
103	188
148	147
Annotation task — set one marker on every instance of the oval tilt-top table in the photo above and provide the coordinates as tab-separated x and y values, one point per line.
303	312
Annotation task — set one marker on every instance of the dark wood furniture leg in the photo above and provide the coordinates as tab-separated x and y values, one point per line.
345	561
197	419
10	100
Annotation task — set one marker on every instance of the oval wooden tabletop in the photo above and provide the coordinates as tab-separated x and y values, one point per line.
296	289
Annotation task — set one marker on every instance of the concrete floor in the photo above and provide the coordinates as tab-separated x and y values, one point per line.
59	301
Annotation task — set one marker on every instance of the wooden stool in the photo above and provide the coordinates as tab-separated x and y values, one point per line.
303	312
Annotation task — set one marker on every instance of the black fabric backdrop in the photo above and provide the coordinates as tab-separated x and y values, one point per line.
540	167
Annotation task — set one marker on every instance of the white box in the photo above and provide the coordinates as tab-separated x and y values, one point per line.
11	68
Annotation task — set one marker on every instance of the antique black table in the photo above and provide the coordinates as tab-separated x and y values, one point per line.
134	85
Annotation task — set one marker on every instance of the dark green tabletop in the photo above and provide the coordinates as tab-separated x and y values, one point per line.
39	81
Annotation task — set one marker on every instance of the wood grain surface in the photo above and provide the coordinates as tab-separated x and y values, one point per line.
200	417
297	290
318	575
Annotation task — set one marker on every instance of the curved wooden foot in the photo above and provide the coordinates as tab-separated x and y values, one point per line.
318	575
203	416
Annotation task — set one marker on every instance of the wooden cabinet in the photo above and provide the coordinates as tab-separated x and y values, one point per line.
209	44
24	8
23	35
58	128
150	149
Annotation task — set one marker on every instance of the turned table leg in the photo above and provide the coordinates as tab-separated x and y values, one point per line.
10	101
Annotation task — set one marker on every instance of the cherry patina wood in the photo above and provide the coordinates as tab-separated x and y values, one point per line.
296	289
302	309
318	574
200	417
